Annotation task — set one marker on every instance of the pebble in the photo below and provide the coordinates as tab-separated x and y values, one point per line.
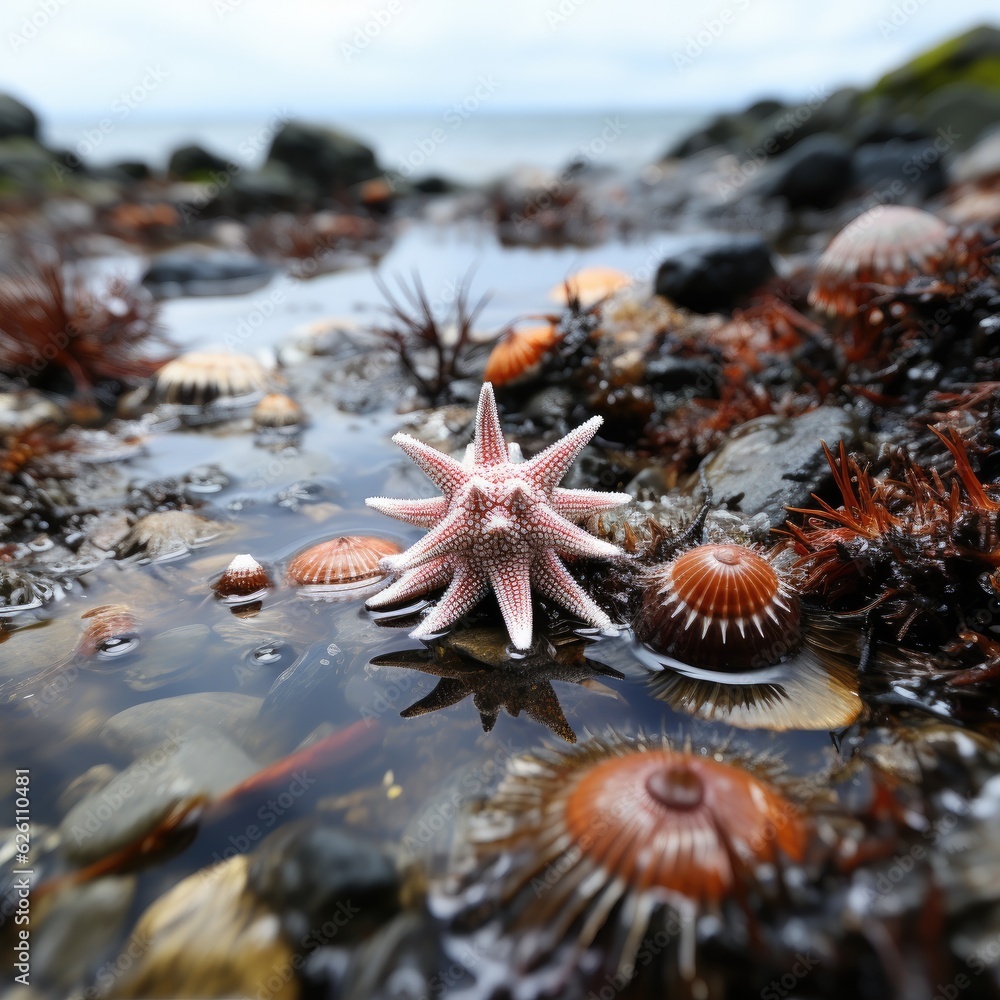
143	727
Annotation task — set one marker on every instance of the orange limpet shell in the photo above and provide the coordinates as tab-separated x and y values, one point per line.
350	559
676	821
720	606
517	353
888	245
590	285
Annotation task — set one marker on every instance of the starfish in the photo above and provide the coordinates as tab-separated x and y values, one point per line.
476	662
502	523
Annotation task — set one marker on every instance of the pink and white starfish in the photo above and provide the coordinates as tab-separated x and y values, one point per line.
502	523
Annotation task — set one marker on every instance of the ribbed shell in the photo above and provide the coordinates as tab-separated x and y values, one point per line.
670	820
887	245
518	353
277	410
719	606
590	285
586	845
111	630
346	562
243	579
203	377
166	535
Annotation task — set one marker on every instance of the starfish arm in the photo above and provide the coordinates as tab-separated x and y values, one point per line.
447	692
442	470
445	536
418	581
422	513
467	589
490	447
546	470
578	504
557	532
552	579
511	582
545	709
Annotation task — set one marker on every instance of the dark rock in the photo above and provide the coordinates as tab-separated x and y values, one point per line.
771	463
273	188
194	163
135	170
190	272
331	160
27	162
815	174
714	274
908	172
877	128
16	119
729	130
793	125
961	113
313	875
434	185
972	57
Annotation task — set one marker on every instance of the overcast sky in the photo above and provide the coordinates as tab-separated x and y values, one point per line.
206	59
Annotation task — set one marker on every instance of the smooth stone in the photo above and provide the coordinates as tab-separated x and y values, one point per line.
816	173
311	873
981	162
771	463
916	169
16	119
143	727
330	159
189	766
961	113
168	657
195	163
77	930
713	272
205	272
209	937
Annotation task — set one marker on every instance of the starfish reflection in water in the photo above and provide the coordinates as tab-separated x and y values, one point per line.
476	662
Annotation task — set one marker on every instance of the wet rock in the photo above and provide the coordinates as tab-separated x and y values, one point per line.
166	535
771	463
328	159
403	960
961	113
134	170
209	937
170	657
92	780
201	272
908	172
16	119
156	787
729	130
320	877
714	273
142	727
788	127
971	56
193	162
981	162
78	929
24	161
815	174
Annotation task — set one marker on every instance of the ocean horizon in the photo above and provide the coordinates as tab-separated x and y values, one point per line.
471	148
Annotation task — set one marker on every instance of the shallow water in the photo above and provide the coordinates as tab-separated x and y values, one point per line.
341	458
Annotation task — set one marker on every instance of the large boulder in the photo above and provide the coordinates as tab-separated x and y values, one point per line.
195	163
960	114
815	174
902	172
28	164
328	159
16	119
972	58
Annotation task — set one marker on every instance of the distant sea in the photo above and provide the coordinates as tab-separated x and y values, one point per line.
475	149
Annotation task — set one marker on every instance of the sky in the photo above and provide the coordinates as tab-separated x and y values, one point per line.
213	59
